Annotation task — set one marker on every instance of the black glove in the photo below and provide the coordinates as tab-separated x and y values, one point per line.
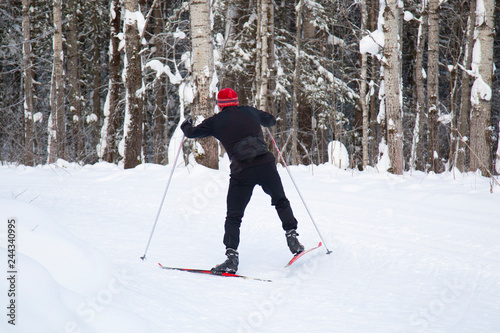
186	124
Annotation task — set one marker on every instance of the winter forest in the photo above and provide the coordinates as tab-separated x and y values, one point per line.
416	83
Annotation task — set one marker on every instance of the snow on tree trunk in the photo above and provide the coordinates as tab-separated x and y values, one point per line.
482	69
203	77
132	77
107	148
57	116
392	84
433	87
29	123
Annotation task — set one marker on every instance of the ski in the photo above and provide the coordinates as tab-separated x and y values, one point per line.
204	271
296	257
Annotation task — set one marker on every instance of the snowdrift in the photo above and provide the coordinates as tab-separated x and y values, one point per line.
60	283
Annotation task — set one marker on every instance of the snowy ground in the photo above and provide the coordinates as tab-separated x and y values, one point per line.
412	253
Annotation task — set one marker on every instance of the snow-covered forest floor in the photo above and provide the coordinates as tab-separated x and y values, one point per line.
412	253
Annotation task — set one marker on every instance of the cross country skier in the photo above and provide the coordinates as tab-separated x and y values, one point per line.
238	128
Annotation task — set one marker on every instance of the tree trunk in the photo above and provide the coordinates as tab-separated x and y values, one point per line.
262	70
305	133
417	151
107	149
363	95
73	76
133	86
96	84
455	52
481	92
231	30
203	74
392	81
29	124
464	116
270	106
296	79
433	87
271	103
57	116
160	112
374	92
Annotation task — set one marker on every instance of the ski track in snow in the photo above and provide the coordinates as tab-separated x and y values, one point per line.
412	253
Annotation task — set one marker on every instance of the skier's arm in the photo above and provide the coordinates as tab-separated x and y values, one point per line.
266	119
201	131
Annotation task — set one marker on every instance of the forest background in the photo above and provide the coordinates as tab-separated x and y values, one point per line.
417	82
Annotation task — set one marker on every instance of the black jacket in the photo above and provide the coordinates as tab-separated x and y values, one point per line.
232	125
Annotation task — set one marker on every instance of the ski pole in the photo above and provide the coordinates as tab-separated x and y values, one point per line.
164	195
297	188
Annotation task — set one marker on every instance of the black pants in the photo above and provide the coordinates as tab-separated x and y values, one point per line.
240	191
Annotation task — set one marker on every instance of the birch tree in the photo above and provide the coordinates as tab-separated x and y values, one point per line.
57	116
203	76
392	83
363	90
262	70
481	91
265	58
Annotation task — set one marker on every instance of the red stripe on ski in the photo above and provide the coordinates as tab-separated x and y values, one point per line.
295	258
204	271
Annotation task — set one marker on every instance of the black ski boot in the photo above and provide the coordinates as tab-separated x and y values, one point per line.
293	242
228	266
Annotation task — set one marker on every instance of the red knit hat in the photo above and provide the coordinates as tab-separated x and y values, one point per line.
227	97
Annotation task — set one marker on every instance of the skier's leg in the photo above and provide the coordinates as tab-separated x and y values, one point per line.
271	184
238	196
